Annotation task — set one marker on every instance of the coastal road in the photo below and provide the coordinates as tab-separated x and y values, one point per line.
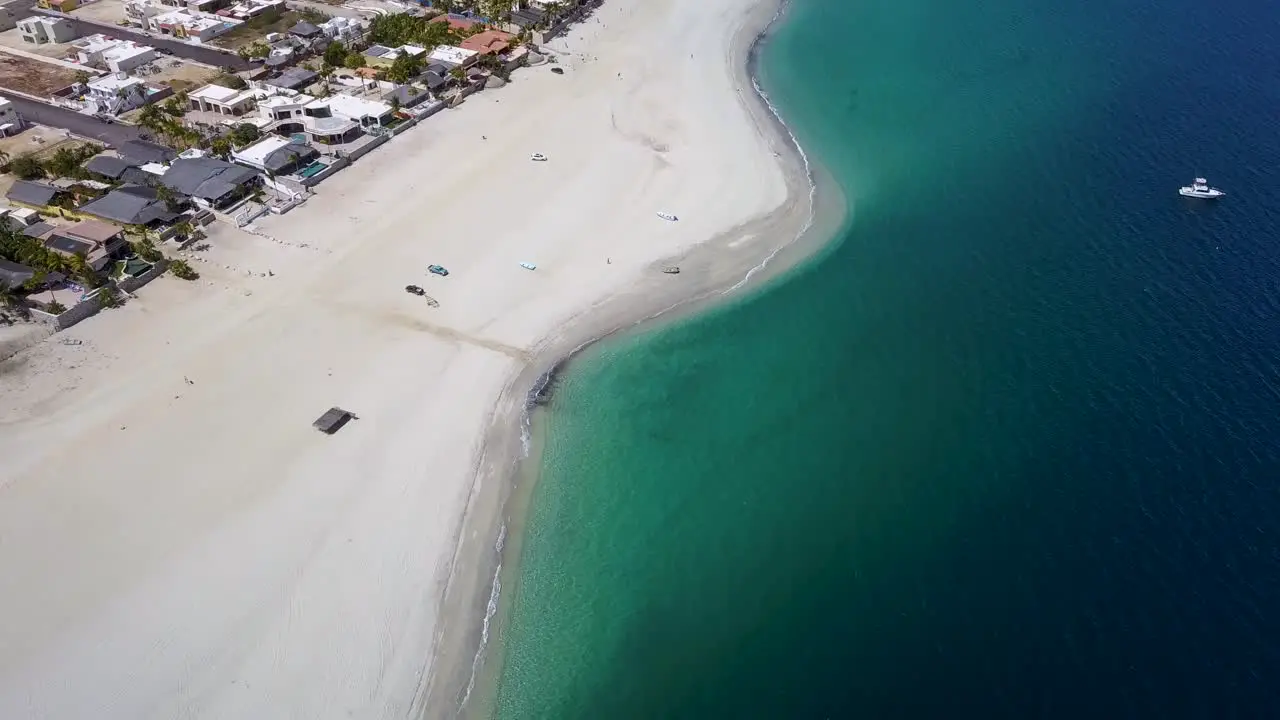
201	54
83	125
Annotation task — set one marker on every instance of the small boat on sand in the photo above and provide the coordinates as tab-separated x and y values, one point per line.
528	266
671	270
667	216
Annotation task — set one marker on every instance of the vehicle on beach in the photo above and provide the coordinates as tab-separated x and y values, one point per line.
1200	189
528	266
437	270
667	216
538	157
671	270
558	71
414	290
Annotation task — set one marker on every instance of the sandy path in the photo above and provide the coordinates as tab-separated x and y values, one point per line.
177	541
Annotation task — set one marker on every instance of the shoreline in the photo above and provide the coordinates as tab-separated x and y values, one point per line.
206	552
812	197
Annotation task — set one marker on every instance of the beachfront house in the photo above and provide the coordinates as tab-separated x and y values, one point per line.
276	155
135	205
488	42
210	182
452	57
97	242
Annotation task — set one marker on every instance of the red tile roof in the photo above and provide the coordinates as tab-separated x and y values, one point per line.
488	42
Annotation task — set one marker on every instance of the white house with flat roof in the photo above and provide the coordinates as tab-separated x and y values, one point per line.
222	100
453	56
10	121
189	25
101	51
40	30
366	113
115	94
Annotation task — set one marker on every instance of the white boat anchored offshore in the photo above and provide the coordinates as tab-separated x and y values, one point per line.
1200	189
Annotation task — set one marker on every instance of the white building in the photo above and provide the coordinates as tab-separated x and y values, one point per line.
246	9
115	94
10	121
365	113
344	29
221	100
451	55
101	51
40	30
188	24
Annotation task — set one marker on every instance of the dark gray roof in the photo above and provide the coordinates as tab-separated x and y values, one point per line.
439	68
12	274
294	78
141	151
434	80
108	166
35	230
304	29
292	154
32	193
68	245
278	60
376	50
205	178
131	205
527	17
406	95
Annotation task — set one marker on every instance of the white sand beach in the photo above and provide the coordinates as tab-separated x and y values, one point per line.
177	541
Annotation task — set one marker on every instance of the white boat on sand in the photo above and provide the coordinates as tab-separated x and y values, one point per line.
667	216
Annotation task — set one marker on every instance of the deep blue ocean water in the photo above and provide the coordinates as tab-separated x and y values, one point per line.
1011	449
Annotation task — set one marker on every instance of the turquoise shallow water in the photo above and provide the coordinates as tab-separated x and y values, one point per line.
1009	449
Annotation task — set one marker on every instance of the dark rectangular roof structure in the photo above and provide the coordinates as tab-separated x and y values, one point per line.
291	155
131	205
332	421
376	50
37	230
434	80
141	152
71	246
32	193
407	95
109	166
295	78
205	177
13	274
527	17
304	29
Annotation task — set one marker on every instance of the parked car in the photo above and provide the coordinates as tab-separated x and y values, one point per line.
414	290
437	270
